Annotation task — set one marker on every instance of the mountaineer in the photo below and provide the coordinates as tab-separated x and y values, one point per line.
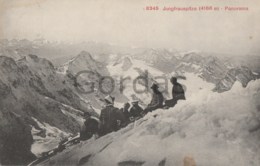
124	115
135	111
177	93
157	99
89	128
109	120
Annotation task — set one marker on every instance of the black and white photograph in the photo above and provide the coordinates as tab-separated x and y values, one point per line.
129	83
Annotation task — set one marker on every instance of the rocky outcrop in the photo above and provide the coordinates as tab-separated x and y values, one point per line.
215	70
31	90
84	61
241	74
15	139
88	77
162	59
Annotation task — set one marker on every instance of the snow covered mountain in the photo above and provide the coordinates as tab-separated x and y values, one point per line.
206	66
41	104
214	70
242	74
85	70
162	59
209	68
127	70
83	61
60	52
206	129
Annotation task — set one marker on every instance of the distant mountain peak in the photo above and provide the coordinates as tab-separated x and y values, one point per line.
85	54
35	58
36	63
151	51
7	63
125	63
153	56
192	57
83	61
4	59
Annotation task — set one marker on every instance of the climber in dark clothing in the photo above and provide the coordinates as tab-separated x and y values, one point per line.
126	111
177	93
89	128
124	115
157	100
136	110
109	120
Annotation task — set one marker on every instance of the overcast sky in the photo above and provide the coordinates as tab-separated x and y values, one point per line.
125	22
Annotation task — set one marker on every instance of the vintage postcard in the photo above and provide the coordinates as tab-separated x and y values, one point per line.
130	82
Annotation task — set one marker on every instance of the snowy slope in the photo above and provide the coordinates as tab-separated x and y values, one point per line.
52	137
192	84
117	68
163	59
130	69
217	129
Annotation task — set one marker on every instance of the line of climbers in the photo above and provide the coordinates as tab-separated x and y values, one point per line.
112	119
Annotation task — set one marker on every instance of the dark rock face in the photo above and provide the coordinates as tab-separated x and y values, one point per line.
15	140
215	70
162	59
126	64
83	69
242	74
131	163
4	90
84	160
192	58
30	88
84	61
